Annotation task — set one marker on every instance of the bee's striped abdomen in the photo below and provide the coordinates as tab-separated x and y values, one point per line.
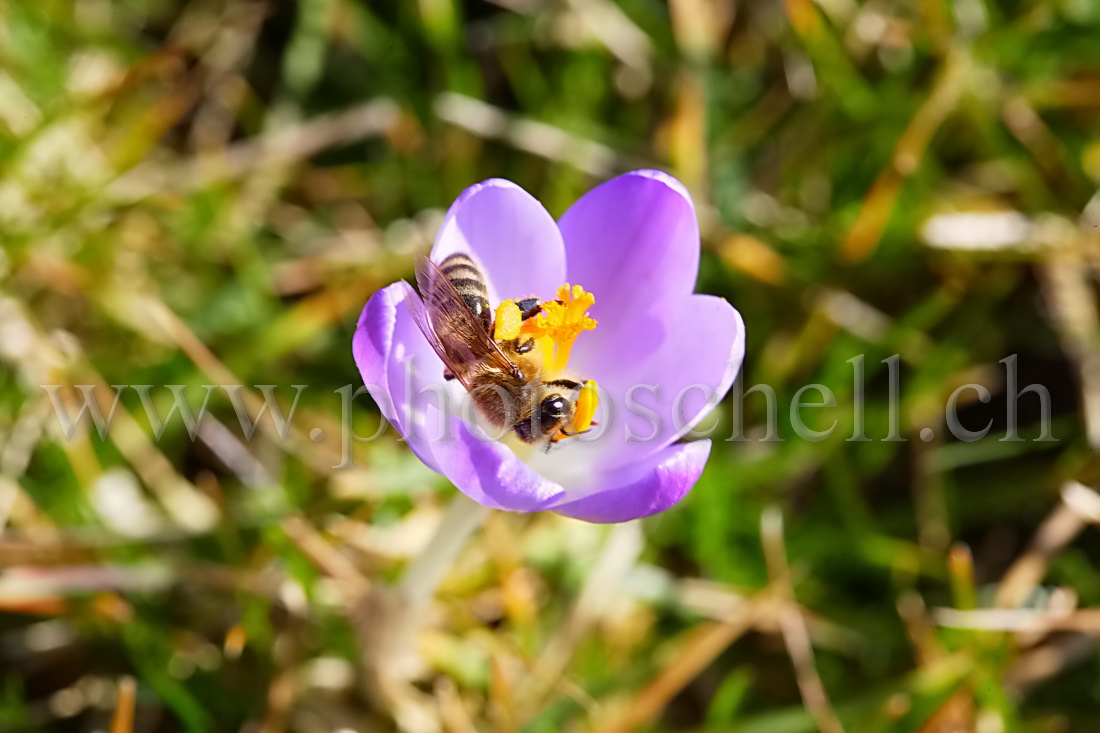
466	278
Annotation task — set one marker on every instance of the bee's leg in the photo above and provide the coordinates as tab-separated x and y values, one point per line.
561	435
568	434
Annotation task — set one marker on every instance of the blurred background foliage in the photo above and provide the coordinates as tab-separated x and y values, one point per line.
207	192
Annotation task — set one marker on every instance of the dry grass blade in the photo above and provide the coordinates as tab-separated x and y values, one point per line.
864	235
1079	506
614	28
537	138
1040	663
1020	620
320	458
190	508
793	626
701	646
290	143
927	648
1072	301
15	455
954	716
280	697
123	719
327	559
1027	126
452	710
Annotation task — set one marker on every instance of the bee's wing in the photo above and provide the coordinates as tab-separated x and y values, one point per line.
453	331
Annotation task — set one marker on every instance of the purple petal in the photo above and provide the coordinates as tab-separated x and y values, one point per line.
662	374
395	360
371	344
510	234
634	243
491	474
631	497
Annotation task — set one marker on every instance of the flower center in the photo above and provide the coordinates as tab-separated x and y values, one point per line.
554	328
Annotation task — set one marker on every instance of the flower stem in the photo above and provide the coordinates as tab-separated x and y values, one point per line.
390	619
423	576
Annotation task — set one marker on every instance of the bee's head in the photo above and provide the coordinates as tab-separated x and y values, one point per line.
550	415
551	411
561	409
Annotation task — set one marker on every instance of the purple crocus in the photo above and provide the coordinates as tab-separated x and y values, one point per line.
661	355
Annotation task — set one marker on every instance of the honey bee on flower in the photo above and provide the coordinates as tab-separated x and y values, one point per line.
511	367
493	325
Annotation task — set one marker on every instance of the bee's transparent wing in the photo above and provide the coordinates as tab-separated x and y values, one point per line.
451	328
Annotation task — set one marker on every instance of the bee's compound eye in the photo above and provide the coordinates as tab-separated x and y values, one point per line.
526	346
554	408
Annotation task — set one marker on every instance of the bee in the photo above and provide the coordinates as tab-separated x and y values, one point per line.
505	379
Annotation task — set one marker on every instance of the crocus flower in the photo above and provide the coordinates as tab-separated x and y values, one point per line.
661	355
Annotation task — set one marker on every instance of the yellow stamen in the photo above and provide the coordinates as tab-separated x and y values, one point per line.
587	402
508	321
560	322
546	350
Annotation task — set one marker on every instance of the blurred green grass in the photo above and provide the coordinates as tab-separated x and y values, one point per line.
203	192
